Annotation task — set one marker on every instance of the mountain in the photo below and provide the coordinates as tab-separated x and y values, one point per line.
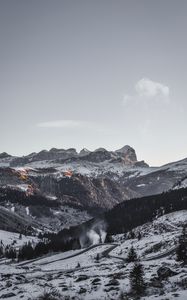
83	184
130	214
11	221
102	201
4	155
87	169
126	154
88	179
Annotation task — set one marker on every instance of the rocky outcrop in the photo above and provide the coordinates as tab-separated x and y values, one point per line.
99	178
165	272
4	155
84	152
126	155
83	191
51	155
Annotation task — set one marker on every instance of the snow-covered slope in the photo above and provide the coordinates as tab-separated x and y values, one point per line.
161	235
15	239
101	272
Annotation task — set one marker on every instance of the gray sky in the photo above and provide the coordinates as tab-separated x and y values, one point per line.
94	73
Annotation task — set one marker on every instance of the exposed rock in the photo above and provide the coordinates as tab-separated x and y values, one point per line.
165	272
128	153
98	156
82	290
156	282
81	277
4	155
84	151
96	281
112	282
7	295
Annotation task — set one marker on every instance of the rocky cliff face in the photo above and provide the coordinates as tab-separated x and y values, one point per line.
127	155
97	179
4	155
83	191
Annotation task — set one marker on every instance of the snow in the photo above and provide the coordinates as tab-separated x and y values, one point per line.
27	211
9	237
70	271
12	209
84	259
182	184
164	230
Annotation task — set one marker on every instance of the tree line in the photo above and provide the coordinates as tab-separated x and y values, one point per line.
135	212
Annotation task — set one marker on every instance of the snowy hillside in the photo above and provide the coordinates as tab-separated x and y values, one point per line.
101	271
8	238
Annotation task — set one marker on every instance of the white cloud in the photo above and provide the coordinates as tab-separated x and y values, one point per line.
68	124
148	88
76	125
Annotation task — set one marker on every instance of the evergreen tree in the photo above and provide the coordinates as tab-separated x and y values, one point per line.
26	252
40	236
139	236
40	249
1	250
108	238
181	251
132	255
131	235
10	252
97	258
136	280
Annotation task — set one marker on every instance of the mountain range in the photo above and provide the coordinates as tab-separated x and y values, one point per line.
70	186
102	201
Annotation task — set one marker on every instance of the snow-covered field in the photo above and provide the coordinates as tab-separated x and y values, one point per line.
12	238
100	272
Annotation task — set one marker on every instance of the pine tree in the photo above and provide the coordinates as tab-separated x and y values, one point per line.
132	255
108	238
97	258
40	236
10	252
1	250
131	235
139	236
181	251
136	280
26	252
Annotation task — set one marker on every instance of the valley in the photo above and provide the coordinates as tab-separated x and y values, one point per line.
69	220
